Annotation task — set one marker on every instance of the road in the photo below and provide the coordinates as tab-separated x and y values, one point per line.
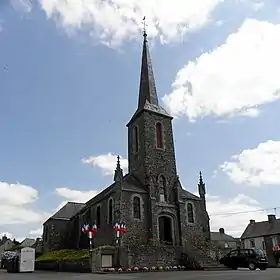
269	274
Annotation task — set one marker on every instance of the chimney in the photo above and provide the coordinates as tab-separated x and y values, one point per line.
271	218
252	222
222	230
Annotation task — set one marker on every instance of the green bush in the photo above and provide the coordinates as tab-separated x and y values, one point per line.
15	248
65	255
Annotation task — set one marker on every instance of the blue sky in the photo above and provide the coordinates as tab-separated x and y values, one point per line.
69	80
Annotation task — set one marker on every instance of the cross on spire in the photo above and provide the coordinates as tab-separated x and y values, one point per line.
147	90
144	26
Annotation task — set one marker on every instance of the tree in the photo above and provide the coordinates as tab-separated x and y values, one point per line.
16	242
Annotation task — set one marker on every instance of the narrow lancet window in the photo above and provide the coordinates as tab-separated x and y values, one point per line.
190	213
136	139
159	135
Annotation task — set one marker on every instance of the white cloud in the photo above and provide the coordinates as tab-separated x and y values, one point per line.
7	234
255	167
233	79
115	20
22	5
15	204
16	209
106	162
74	196
17	194
223	213
36	232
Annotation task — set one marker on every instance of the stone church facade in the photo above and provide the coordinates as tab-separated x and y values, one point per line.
149	199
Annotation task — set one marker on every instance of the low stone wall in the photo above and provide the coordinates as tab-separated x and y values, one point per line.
147	255
138	256
64	266
96	257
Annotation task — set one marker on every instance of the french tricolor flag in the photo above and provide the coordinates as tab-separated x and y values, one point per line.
85	228
123	228
117	227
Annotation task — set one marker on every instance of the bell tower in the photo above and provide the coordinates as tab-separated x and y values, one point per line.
150	135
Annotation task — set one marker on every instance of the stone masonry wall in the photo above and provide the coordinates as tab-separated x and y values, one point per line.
53	233
149	159
149	256
137	229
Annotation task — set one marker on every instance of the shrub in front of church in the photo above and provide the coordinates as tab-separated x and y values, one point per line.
64	255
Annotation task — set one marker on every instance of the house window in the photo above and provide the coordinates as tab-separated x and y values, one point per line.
263	245
110	211
159	140
252	243
135	139
190	213
226	245
274	241
98	216
162	189
136	207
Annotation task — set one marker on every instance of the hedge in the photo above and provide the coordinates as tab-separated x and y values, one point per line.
65	255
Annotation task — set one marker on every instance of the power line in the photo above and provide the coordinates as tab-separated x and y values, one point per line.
245	212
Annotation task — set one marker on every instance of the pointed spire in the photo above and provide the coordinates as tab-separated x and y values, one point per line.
201	186
147	90
200	178
118	172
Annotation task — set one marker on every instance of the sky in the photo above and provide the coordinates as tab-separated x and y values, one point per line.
69	78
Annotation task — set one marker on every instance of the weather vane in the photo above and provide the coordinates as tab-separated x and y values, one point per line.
144	26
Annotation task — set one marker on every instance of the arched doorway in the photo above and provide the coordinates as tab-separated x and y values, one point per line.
165	230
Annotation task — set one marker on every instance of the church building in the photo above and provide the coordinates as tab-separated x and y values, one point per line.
149	199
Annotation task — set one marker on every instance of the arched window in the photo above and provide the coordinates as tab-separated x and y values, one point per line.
135	139
137	207
190	213
159	135
162	188
98	216
88	216
110	211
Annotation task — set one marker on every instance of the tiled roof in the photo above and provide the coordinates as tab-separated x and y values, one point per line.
262	229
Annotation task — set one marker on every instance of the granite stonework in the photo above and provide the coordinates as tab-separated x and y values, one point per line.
150	199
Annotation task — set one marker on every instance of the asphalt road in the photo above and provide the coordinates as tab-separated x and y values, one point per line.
269	274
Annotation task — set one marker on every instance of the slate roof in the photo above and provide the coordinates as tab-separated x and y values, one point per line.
68	210
28	242
131	183
189	195
148	98
262	229
217	236
147	89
